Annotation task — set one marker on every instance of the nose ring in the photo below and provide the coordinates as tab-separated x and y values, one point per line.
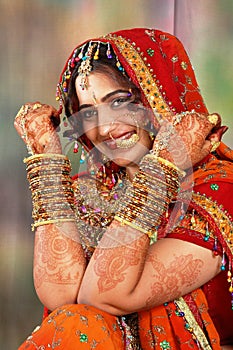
130	142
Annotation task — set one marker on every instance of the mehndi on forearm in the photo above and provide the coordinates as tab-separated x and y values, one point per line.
59	260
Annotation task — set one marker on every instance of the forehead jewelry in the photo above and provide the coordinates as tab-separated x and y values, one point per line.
85	66
94	98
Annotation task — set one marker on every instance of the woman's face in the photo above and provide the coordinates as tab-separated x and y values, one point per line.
112	120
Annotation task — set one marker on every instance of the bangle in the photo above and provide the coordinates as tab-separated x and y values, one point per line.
51	189
146	201
129	223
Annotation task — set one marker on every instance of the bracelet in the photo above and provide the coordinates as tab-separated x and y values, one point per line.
128	223
145	202
51	189
47	222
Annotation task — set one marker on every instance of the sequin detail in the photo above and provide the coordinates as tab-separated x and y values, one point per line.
214	187
144	74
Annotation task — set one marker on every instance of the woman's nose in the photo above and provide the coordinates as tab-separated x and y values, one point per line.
105	122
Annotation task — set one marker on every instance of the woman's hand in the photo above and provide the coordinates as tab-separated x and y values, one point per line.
36	124
184	139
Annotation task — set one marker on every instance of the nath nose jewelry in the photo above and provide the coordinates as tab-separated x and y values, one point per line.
132	140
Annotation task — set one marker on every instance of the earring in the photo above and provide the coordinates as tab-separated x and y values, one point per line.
90	163
152	136
104	158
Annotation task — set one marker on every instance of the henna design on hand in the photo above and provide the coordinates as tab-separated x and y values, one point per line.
188	139
36	124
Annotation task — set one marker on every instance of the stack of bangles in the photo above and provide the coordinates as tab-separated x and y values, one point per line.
51	189
155	185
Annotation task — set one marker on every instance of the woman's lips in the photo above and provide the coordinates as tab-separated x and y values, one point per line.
111	143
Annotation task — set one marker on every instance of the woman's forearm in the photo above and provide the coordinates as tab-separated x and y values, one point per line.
114	269
59	264
127	278
119	260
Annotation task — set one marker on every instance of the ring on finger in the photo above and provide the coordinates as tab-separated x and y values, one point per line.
213	119
36	106
215	145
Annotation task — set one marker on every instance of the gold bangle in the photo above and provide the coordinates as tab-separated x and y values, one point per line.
165	162
128	223
52	221
44	156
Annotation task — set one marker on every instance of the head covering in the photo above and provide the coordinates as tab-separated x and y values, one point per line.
155	61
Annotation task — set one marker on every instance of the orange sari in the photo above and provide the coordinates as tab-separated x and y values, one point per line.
85	327
182	324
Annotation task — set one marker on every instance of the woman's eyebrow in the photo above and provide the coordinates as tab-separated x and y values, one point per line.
115	92
85	106
104	98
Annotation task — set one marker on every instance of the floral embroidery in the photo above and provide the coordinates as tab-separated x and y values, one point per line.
150	52
214	187
184	65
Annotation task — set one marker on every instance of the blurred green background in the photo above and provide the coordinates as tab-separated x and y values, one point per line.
36	38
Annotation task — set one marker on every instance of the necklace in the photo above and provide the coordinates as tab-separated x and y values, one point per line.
96	202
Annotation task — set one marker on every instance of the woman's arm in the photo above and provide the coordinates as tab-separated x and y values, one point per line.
59	264
59	261
126	274
124	278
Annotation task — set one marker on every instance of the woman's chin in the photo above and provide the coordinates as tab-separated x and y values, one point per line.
122	162
126	156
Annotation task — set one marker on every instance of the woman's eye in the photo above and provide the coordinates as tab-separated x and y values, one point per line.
121	101
89	113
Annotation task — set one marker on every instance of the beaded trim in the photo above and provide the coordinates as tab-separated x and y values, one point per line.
143	72
194	326
220	218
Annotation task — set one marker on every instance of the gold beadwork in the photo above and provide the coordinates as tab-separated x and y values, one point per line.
142	72
213	119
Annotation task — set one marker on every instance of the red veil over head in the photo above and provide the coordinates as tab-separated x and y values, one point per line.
156	62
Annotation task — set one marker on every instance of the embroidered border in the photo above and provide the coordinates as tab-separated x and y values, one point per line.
218	217
196	329
143	73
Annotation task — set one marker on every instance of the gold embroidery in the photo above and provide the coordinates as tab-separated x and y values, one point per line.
221	218
142	72
196	329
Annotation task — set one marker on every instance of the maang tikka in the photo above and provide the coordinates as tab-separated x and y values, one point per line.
86	67
93	51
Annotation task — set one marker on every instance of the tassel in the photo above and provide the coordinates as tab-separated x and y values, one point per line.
223	264
193	221
83	156
76	147
207	233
